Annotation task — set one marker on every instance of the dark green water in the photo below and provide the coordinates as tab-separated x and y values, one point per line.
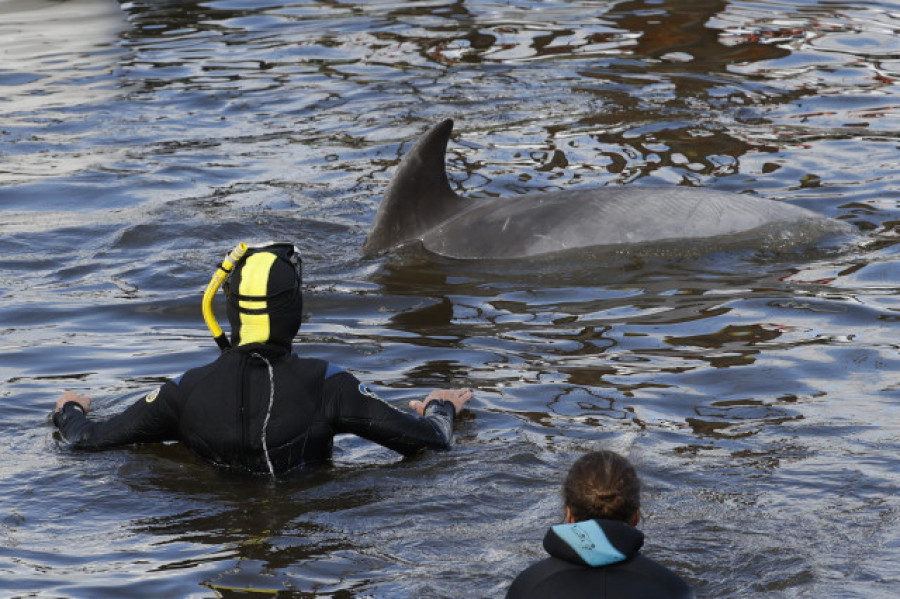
756	390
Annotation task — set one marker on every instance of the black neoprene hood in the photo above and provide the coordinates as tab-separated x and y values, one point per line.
264	300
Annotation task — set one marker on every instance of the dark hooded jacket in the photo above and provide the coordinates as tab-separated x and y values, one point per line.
259	407
597	559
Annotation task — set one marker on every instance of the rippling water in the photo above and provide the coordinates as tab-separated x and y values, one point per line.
756	390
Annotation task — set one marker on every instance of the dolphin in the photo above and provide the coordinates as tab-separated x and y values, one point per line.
420	207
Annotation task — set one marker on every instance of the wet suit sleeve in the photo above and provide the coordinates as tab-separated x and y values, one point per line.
149	419
361	412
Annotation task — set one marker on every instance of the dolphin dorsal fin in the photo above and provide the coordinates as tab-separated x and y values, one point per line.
418	197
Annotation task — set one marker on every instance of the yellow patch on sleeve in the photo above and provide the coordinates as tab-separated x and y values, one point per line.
152	395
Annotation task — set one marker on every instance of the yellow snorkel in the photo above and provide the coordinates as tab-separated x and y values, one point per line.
218	278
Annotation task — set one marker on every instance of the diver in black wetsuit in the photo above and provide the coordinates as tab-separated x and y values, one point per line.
596	552
259	407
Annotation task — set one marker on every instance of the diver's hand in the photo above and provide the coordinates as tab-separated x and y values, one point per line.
458	397
81	400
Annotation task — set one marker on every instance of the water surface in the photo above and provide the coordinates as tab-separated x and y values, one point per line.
755	390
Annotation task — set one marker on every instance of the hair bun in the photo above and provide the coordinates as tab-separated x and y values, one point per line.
602	485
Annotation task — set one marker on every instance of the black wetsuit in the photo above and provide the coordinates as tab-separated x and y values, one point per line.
597	559
219	411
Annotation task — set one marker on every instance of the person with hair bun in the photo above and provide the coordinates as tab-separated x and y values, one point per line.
596	551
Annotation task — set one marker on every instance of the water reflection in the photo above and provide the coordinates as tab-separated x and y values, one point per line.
644	74
263	529
600	350
58	57
737	344
752	387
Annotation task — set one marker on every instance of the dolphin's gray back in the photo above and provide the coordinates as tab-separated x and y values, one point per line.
420	206
535	224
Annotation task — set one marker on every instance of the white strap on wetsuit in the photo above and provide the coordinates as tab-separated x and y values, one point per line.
268	412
